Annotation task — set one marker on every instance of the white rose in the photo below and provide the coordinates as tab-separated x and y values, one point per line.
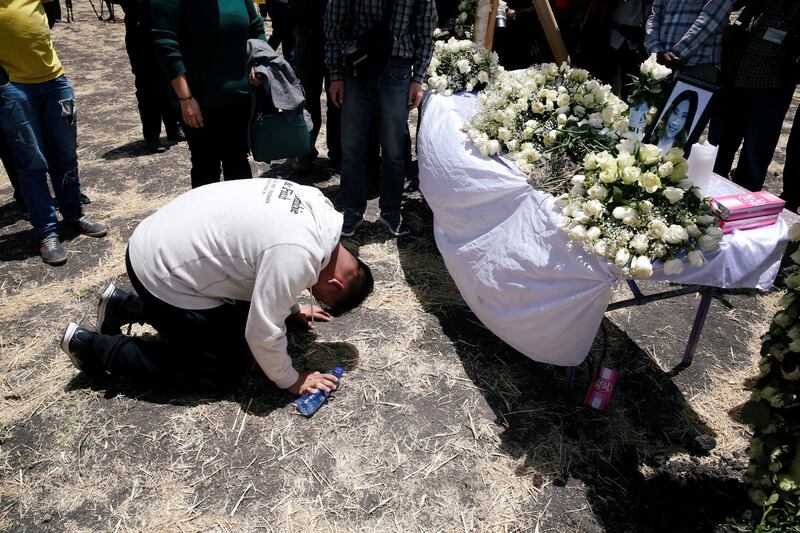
512	145
588	100
647	67
625	160
673	194
577	233
581	217
665	169
641	267
708	243
794	232
504	134
597	191
590	163
595	120
631	175
593	233
578	179
483	77
696	258
463	66
600	248
608	176
593	208
646	206
619	212
561	119
715	232
649	182
494	147
706	220
579	110
676	234
639	243
622	256
673	267
675	156
693	230
649	154
658	228
562	100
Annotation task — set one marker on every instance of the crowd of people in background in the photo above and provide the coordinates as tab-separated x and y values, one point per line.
192	75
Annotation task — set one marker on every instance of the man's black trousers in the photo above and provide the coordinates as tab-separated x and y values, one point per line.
205	347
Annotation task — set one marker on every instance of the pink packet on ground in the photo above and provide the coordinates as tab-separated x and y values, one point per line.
728	226
599	393
746	205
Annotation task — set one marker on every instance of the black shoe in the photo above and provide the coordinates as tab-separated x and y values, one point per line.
176	136
51	250
154	146
74	343
85	226
108	307
394	222
85	199
352	221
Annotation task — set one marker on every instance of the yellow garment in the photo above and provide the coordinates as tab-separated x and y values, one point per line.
26	50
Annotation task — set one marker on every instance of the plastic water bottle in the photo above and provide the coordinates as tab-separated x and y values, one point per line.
308	403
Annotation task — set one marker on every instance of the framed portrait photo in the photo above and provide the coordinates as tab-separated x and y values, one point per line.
683	115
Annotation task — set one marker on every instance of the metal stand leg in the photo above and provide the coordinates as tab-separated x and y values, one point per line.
697	327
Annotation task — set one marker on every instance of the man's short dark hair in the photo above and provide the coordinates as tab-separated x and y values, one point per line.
361	286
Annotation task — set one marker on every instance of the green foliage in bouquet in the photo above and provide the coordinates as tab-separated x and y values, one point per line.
773	411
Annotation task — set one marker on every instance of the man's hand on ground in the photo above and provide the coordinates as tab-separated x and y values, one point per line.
313	382
336	92
306	313
414	95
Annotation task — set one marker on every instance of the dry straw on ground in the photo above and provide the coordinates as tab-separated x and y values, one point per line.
439	426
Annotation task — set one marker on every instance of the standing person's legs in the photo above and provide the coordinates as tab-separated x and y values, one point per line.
60	134
139	51
726	130
791	169
357	114
767	111
21	123
230	128
391	94
8	164
282	28
203	151
311	71
333	127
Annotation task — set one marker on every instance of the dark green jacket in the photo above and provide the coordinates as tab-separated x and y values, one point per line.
207	41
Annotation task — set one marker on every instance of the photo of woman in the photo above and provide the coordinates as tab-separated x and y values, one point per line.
676	122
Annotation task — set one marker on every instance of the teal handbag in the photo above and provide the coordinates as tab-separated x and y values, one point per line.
275	136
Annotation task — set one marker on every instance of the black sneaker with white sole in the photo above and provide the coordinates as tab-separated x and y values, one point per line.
109	307
75	343
352	221
394	222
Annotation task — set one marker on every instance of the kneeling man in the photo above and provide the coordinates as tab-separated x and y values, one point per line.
217	265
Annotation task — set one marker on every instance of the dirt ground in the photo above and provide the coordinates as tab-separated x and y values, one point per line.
439	426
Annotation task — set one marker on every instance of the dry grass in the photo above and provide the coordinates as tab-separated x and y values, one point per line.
438	427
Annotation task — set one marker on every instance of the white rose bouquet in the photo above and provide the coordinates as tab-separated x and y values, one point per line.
460	66
543	109
645	91
636	208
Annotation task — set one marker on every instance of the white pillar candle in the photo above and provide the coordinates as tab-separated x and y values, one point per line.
701	164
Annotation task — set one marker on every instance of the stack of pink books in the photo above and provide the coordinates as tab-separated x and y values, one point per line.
747	211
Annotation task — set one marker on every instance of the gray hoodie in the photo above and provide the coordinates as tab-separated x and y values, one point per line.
279	79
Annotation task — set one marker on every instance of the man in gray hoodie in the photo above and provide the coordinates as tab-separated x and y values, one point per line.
218	265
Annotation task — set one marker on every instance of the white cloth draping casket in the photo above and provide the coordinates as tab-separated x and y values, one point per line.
516	270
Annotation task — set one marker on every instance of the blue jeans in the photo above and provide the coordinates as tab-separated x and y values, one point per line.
39	122
384	99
